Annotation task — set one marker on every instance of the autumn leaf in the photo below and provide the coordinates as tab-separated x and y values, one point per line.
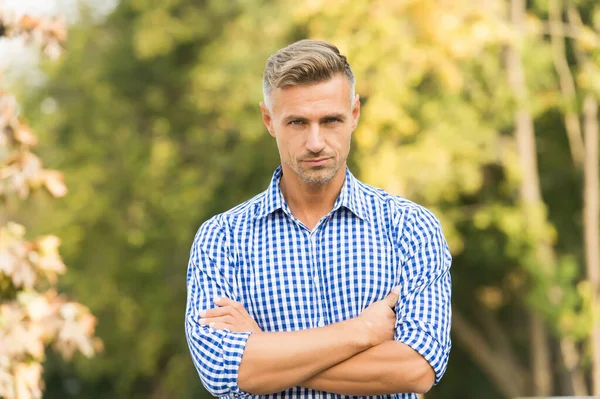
57	28
15	230
8	109
75	333
51	266
29	23
36	306
53	180
24	135
6	380
47	245
28	380
53	50
30	319
31	168
24	275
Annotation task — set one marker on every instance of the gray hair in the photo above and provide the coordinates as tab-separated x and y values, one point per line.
305	62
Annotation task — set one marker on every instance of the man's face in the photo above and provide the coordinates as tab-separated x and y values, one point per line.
312	125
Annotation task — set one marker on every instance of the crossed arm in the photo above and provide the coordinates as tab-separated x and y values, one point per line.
355	357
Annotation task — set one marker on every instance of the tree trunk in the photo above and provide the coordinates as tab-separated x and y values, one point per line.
531	199
572	360
567	83
591	219
508	376
539	355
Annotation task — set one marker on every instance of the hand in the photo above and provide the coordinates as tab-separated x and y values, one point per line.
380	318
229	315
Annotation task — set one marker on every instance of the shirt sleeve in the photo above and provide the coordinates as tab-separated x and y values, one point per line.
217	354
424	308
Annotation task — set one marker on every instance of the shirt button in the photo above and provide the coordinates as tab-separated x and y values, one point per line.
316	279
321	323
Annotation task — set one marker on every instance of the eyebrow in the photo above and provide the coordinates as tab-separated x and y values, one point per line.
339	116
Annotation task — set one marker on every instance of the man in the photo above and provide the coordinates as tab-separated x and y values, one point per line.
321	286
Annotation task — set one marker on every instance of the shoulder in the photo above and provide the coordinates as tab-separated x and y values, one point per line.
400	209
220	226
404	218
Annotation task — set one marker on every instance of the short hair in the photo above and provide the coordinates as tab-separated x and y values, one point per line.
305	62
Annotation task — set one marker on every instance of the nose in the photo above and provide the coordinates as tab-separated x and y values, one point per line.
315	142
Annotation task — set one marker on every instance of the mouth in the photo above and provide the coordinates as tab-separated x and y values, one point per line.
316	162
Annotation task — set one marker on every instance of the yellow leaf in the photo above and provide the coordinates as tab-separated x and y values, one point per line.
47	245
53	180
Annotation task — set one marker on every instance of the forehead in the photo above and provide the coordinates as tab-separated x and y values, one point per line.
316	98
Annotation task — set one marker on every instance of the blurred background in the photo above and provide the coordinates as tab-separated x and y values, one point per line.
486	112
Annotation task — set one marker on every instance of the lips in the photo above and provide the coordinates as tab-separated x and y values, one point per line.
316	162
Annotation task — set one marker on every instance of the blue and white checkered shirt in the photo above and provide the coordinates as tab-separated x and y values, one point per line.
291	278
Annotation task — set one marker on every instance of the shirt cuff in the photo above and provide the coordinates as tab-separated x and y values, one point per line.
423	343
234	344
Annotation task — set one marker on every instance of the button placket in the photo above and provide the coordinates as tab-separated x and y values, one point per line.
320	322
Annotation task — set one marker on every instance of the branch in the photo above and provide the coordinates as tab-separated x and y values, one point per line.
509	377
567	84
48	33
572	362
575	20
570	30
497	335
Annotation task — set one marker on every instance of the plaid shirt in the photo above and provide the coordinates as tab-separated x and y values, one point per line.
291	278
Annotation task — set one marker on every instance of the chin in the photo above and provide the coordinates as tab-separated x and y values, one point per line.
323	177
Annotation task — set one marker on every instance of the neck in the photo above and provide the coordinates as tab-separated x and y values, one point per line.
310	202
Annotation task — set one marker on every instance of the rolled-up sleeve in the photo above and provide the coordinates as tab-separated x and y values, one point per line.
424	309
217	354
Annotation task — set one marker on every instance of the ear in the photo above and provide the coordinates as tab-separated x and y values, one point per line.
355	111
266	117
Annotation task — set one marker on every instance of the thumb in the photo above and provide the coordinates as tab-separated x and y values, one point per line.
393	296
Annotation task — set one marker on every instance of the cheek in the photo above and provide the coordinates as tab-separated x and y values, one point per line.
294	140
287	146
341	141
281	146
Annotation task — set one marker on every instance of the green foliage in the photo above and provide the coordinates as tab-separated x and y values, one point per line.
145	165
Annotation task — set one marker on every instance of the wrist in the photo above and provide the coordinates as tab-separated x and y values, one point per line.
361	333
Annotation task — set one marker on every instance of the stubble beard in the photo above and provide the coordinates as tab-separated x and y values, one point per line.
318	175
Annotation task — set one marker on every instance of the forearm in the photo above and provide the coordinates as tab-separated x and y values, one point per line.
275	361
390	367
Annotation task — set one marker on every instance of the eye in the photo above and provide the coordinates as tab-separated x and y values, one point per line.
332	119
296	122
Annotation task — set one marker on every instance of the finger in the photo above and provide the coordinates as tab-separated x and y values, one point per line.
222	326
221	323
393	296
216	312
227	319
236	306
224	301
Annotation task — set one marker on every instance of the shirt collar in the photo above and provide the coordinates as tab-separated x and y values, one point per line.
351	196
273	198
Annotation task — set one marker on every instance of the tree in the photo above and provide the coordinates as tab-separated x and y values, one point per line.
32	313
